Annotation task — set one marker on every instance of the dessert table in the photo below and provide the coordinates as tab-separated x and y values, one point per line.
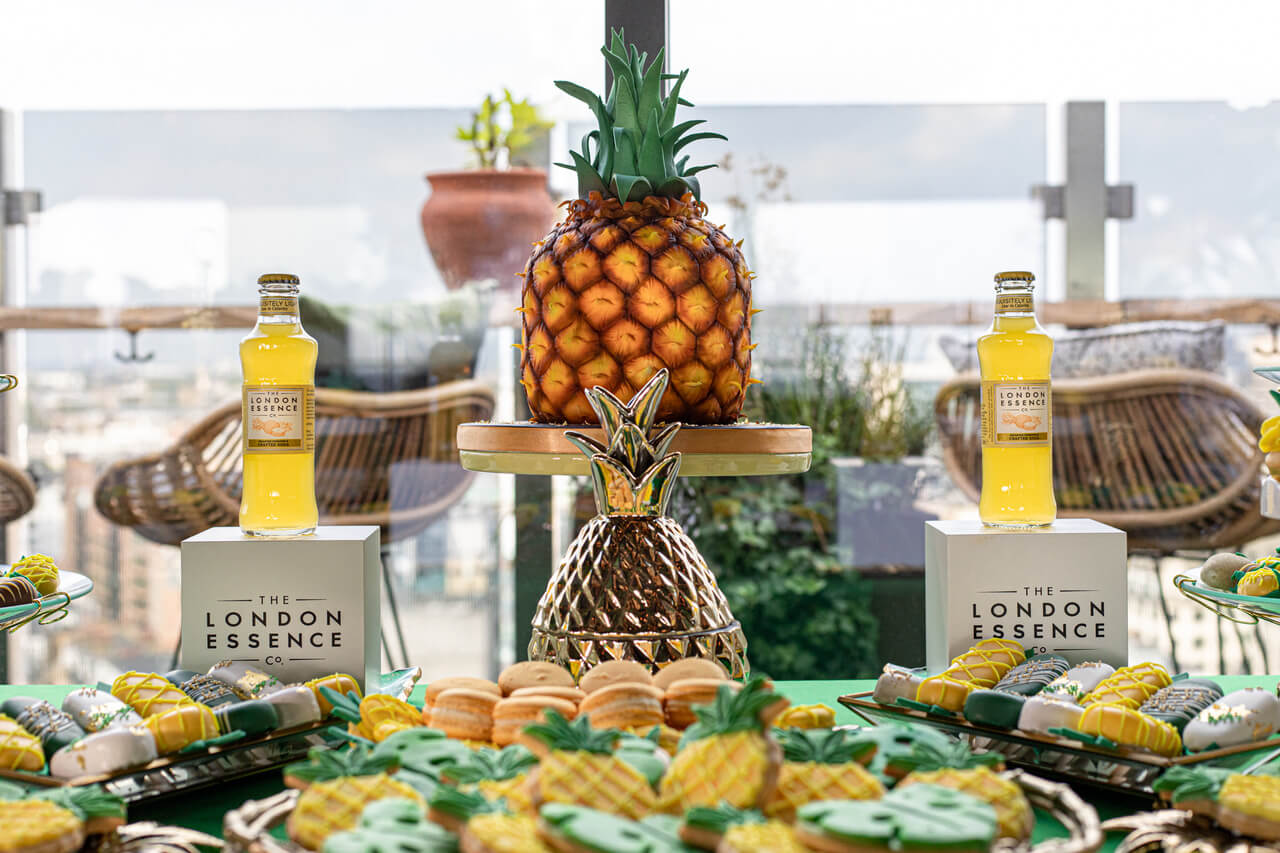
203	810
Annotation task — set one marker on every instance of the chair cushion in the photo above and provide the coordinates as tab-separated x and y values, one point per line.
1113	349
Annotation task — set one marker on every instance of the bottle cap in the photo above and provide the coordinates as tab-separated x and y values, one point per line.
1015	275
278	278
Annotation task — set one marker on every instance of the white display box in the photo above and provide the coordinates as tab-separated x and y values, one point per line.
299	607
1061	589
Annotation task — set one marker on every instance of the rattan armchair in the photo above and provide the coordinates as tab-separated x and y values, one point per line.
1169	456
381	458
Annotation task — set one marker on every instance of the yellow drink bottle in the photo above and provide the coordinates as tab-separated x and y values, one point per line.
1017	418
278	409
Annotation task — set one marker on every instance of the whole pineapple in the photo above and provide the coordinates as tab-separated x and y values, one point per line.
635	279
581	769
632	585
820	765
729	755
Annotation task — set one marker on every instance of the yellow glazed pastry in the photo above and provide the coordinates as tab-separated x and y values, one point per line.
339	681
1130	685
39	826
328	807
181	726
148	693
986	662
40	570
944	692
1128	727
19	749
806	717
382	716
1259	582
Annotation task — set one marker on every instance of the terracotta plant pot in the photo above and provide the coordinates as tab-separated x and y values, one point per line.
480	224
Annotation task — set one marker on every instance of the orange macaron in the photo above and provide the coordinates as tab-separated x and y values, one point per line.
571	694
683	696
613	672
622	706
678	670
464	682
533	673
464	714
512	714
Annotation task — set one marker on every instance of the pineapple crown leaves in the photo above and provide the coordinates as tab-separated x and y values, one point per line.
325	764
953	755
492	764
463	805
632	152
577	736
1192	783
632	474
821	746
718	819
733	711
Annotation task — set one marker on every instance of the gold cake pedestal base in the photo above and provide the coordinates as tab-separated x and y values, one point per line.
734	450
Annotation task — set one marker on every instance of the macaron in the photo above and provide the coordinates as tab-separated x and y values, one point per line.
613	672
572	694
683	696
464	714
623	705
533	673
678	670
512	714
464	682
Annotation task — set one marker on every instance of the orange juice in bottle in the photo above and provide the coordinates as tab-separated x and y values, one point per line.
278	409
1017	419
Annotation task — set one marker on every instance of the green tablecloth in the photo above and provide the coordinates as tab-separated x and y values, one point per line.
203	810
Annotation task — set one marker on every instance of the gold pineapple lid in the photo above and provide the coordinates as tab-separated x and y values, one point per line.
631	474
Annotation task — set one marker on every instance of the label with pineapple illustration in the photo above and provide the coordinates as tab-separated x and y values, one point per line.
279	419
1015	414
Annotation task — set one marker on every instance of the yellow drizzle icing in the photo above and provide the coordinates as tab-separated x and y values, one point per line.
944	691
807	717
801	782
33	823
382	716
148	693
19	749
986	662
500	833
181	726
1130	685
335	805
1258	582
1257	796
730	767
1128	727
602	782
40	570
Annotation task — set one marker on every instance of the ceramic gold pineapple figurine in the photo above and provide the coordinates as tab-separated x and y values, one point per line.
632	585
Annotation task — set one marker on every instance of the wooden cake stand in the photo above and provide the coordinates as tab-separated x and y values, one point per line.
735	450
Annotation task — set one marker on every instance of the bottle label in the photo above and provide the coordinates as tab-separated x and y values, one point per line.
1016	414
274	306
1015	303
279	418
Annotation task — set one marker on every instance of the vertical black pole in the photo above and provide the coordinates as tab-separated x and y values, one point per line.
645	23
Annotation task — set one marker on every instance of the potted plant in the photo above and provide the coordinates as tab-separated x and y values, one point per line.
479	223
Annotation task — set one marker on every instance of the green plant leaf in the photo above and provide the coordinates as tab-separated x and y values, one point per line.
650	100
632	187
624	148
588	178
694	137
650	155
672	101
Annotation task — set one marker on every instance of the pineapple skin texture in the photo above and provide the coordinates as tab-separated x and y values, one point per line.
616	292
1014	818
801	782
602	782
328	807
739	768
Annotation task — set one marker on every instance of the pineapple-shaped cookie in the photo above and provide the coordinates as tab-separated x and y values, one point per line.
335	805
581	768
729	754
957	768
484	825
820	765
496	774
632	584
